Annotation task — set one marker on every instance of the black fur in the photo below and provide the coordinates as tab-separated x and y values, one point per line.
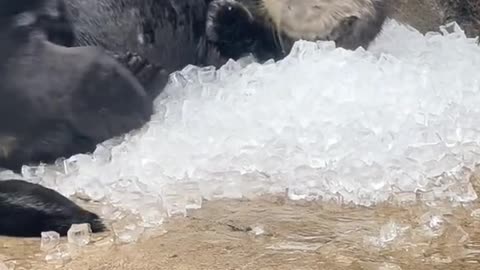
151	38
232	30
10	8
27	210
57	101
235	32
54	18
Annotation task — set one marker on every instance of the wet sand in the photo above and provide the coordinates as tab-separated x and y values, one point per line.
271	233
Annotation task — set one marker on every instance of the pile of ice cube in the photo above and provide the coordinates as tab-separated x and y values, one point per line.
324	123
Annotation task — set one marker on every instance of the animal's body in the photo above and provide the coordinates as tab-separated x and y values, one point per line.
27	210
57	101
152	38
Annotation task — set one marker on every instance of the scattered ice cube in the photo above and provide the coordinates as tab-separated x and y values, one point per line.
129	233
79	234
49	240
59	255
433	224
258	230
379	266
105	242
389	266
152	215
174	201
193	197
389	233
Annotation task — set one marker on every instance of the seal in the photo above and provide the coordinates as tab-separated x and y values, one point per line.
151	38
27	210
57	101
268	28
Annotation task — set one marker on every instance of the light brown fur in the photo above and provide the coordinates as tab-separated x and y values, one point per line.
313	19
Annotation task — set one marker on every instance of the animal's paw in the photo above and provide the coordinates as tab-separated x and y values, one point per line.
140	67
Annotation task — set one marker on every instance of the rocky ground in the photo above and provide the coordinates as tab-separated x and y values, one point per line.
427	15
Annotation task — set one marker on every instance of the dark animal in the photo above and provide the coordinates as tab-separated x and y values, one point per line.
27	210
57	101
155	38
268	28
151	38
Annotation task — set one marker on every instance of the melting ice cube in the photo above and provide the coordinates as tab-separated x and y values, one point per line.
79	234
49	240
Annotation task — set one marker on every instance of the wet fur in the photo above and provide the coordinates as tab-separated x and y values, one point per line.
57	101
350	23
236	29
28	209
152	38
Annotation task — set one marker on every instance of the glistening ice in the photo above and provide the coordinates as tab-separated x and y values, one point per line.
324	123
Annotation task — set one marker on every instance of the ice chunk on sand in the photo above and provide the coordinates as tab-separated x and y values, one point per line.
129	233
79	234
354	126
49	240
60	255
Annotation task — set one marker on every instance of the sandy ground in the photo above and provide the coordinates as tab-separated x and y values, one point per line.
275	234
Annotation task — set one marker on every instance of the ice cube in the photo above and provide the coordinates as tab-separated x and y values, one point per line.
79	234
433	223
129	234
49	240
258	230
191	191
174	202
390	232
59	255
32	172
379	266
207	74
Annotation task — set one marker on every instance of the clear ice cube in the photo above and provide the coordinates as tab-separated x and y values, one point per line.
79	234
129	234
59	255
49	240
174	201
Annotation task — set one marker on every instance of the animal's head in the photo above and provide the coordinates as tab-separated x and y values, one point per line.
49	16
268	28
